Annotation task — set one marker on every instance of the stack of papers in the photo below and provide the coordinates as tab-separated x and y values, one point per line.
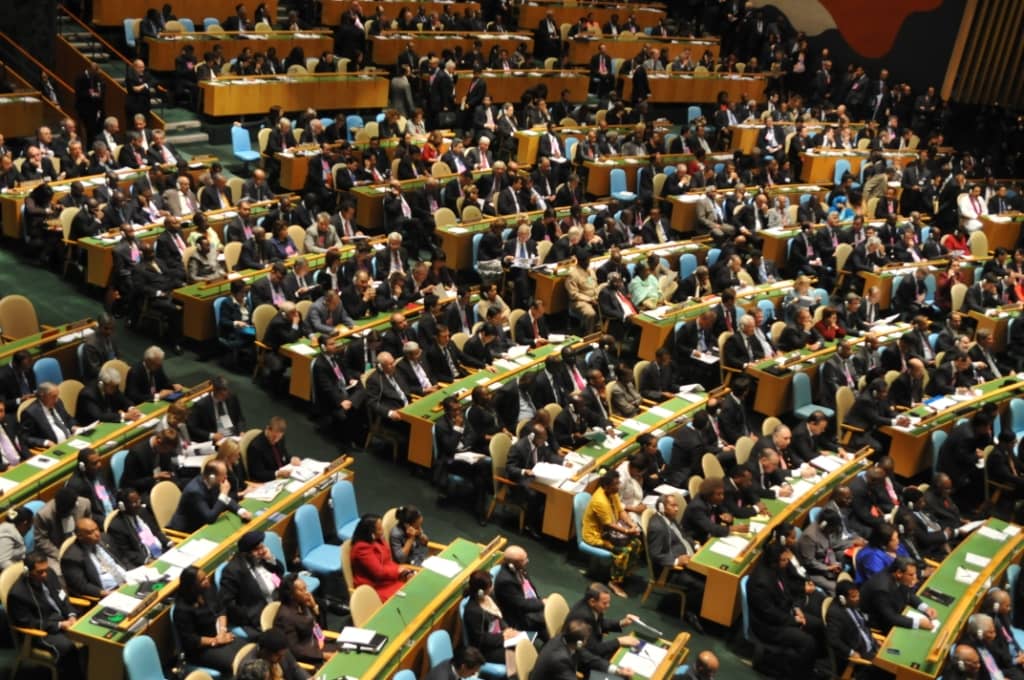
550	473
827	463
644	662
266	492
994	534
917	616
976	560
729	546
120	602
440	565
966	576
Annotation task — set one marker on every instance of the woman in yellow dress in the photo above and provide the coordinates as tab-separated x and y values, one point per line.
606	524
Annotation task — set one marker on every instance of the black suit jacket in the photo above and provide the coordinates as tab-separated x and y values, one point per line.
598	651
124	537
524	330
883	600
556	661
141	384
35	428
198	506
520	612
79	572
139	466
12	389
202	420
241	594
382	396
94	404
262	464
27	606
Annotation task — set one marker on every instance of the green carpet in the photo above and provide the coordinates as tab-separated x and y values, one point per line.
377	479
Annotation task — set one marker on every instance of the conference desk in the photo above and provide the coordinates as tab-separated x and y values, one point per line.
21	113
675	654
535	11
819	165
599	172
165	49
920	654
725	561
197	298
911	446
657	326
528	141
997	322
884	278
12	201
457	239
670	87
422	412
1003	231
774	396
390	44
744	135
429	601
583	47
331	10
250	95
46	471
304	352
369	198
60	342
684	206
114	12
99	249
220	540
659	420
509	87
549	280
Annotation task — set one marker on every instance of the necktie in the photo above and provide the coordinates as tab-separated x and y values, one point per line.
865	636
989	662
110	565
58	424
51	601
148	538
451	364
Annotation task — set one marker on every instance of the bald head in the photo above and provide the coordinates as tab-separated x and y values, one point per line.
707	664
87	531
515	556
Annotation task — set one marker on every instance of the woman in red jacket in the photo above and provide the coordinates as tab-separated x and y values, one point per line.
372	564
828	328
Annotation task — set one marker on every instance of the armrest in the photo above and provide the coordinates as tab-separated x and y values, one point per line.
858	661
648	402
852	428
931	563
33	632
172	534
46	327
505	480
731	369
435	548
82	601
262	345
330	635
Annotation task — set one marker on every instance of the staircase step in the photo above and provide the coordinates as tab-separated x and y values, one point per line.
188	138
182	125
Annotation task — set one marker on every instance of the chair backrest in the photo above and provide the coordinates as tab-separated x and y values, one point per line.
261	317
18	316
240	140
363	604
978	243
844	402
117	466
638	369
68	391
241	655
665	449
617	180
439	648
956	295
938	439
232	251
745	607
712	467
268	614
199	674
769	425
526	659
405	674
693	486
308	532
579	506
513	318
47	369
343	498
744	445
1017	414
776	331
262	137
444	217
471	213
556	609
163	501
120	366
141	659
801	389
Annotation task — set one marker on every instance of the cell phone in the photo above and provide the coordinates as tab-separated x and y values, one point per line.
893	651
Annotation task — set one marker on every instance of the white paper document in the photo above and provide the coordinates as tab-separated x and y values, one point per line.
142	574
633	425
198	547
469	457
120	602
976	560
355	636
661	412
440	565
966	576
303	349
177	558
994	534
918	616
6	485
267	492
41	462
514	640
827	463
550	473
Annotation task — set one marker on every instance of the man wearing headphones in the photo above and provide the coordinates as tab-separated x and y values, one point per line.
90	482
980	633
596	653
249	582
1003	645
55	522
963	664
134	532
888	592
704	668
90	565
204	498
465	663
102	400
516	595
670	549
560	658
17	522
38	601
848	633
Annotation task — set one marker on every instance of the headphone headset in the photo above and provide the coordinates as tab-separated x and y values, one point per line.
579	643
479	593
841	599
81	465
960	665
824	524
995	603
659	506
12	514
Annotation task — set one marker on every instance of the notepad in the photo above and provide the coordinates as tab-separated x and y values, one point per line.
6	485
989	532
827	463
440	565
976	560
303	349
632	425
41	462
660	411
120	602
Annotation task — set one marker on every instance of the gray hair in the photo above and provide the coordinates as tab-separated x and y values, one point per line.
110	376
153	352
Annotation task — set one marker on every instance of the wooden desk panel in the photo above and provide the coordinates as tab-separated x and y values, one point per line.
114	12
163	51
510	88
322	92
582	49
388	46
674	89
21	114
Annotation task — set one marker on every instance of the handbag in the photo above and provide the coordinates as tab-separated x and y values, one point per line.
617	538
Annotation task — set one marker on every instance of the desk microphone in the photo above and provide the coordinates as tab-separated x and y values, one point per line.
398	610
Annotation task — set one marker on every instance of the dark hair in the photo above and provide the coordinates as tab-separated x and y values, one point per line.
189	589
407	514
881	535
364	531
467	657
479	583
286	589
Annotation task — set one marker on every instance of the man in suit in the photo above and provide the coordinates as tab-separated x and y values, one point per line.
695	339
170	248
886	594
280	140
257	188
413	373
46	422
959	457
216	416
55	522
769	478
531	448
809	439
17	380
338	394
560	658
147	379
671	550
602	80
532	328
12	451
151	461
732	416
847	628
598	650
268	456
204	498
102	400
247	584
743	348
216	196
91	566
445	361
37	166
38	600
181	200
521	605
385	396
465	663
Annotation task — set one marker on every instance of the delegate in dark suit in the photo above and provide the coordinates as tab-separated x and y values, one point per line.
202	420
597	652
123	533
883	600
95	403
199	505
36	429
80	573
241	594
557	661
520	612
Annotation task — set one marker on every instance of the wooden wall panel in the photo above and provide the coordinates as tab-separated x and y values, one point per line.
989	68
